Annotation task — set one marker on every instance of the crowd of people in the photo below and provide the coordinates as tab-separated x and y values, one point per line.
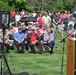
43	32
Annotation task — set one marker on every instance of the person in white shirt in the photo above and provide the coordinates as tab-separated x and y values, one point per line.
46	19
34	14
17	17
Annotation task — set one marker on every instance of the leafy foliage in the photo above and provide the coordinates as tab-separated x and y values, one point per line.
37	5
4	6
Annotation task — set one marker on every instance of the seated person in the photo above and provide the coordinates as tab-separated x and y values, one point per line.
11	41
6	41
33	39
10	33
27	32
24	29
38	30
19	38
49	40
43	30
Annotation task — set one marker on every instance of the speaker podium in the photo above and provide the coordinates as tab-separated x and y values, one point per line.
71	57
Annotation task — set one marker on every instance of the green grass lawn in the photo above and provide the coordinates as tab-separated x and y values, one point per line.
44	64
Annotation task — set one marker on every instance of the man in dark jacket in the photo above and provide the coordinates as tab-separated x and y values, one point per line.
33	39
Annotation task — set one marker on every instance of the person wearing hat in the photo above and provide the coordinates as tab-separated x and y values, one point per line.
38	30
19	40
33	39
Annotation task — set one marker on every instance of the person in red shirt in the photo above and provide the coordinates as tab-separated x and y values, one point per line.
33	39
12	15
39	20
65	14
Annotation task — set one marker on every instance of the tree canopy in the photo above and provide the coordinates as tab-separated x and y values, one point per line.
37	5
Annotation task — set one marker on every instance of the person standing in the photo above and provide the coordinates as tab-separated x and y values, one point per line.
39	20
46	20
65	16
12	15
61	24
56	21
17	17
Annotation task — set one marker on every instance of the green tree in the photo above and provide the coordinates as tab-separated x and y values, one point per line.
17	4
38	5
4	6
51	5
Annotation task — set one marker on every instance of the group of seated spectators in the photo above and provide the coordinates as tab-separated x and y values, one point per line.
43	32
28	37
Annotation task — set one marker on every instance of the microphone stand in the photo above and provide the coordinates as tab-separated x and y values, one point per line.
3	59
63	41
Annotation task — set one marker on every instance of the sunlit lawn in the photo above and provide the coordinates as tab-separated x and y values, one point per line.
44	64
